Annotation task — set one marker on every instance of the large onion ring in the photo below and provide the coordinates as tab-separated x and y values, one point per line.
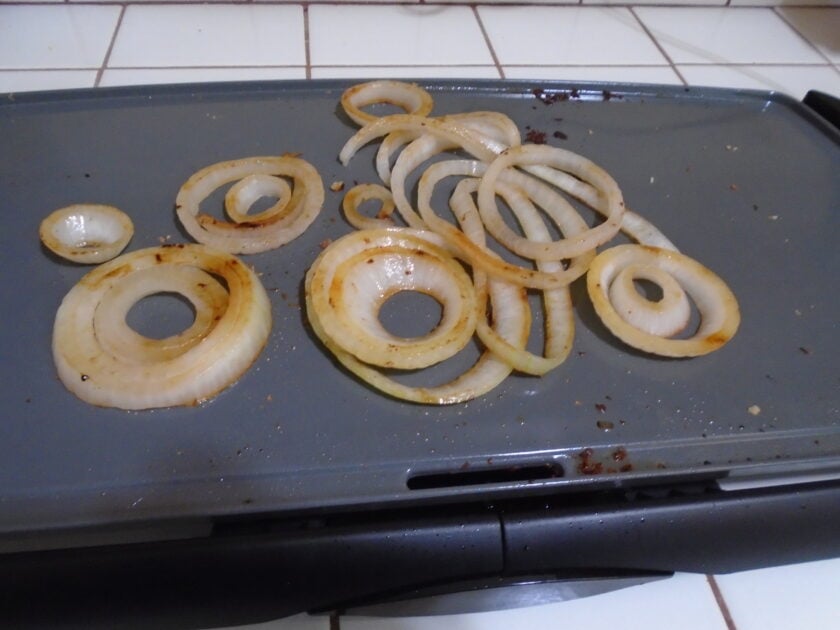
86	232
715	302
355	275
276	228
511	322
195	374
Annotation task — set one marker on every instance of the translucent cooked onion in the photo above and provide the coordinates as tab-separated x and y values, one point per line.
511	323
361	193
86	232
353	277
275	227
241	197
570	169
717	306
558	320
103	362
546	277
409	96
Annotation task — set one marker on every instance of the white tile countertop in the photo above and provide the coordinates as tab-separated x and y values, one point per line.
789	48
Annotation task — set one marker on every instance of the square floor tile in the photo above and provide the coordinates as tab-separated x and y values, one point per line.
726	35
568	35
782	598
55	36
210	35
408	72
31	80
396	35
820	26
792	80
149	76
683	601
623	74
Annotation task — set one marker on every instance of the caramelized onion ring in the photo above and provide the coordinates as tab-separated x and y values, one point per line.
576	176
86	232
243	194
198	372
361	193
252	236
353	277
409	96
716	304
512	324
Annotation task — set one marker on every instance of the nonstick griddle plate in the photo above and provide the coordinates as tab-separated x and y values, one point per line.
745	182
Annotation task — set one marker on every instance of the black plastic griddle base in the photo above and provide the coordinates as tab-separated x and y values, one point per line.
257	571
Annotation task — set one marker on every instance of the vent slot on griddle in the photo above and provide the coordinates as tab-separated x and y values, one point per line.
469	476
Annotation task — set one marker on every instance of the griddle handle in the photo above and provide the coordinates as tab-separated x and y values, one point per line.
825	105
243	575
708	532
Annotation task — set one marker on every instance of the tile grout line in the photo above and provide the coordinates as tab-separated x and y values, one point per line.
800	34
656	43
721	602
487	41
306	48
108	52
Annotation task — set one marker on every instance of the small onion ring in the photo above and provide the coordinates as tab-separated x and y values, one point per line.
409	96
361	193
718	308
199	372
665	317
87	233
244	193
251	237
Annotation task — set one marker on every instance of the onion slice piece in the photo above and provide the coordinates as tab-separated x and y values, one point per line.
170	373
718	308
409	96
512	324
275	228
352	278
361	193
573	174
87	233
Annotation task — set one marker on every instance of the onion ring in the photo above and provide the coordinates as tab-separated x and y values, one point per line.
244	193
87	233
207	296
160	377
361	193
249	237
558	320
355	275
568	166
718	308
479	255
409	96
512	324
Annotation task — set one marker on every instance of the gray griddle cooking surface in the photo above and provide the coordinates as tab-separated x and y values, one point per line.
746	182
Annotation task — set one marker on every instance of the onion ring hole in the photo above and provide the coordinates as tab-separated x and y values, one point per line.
410	314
